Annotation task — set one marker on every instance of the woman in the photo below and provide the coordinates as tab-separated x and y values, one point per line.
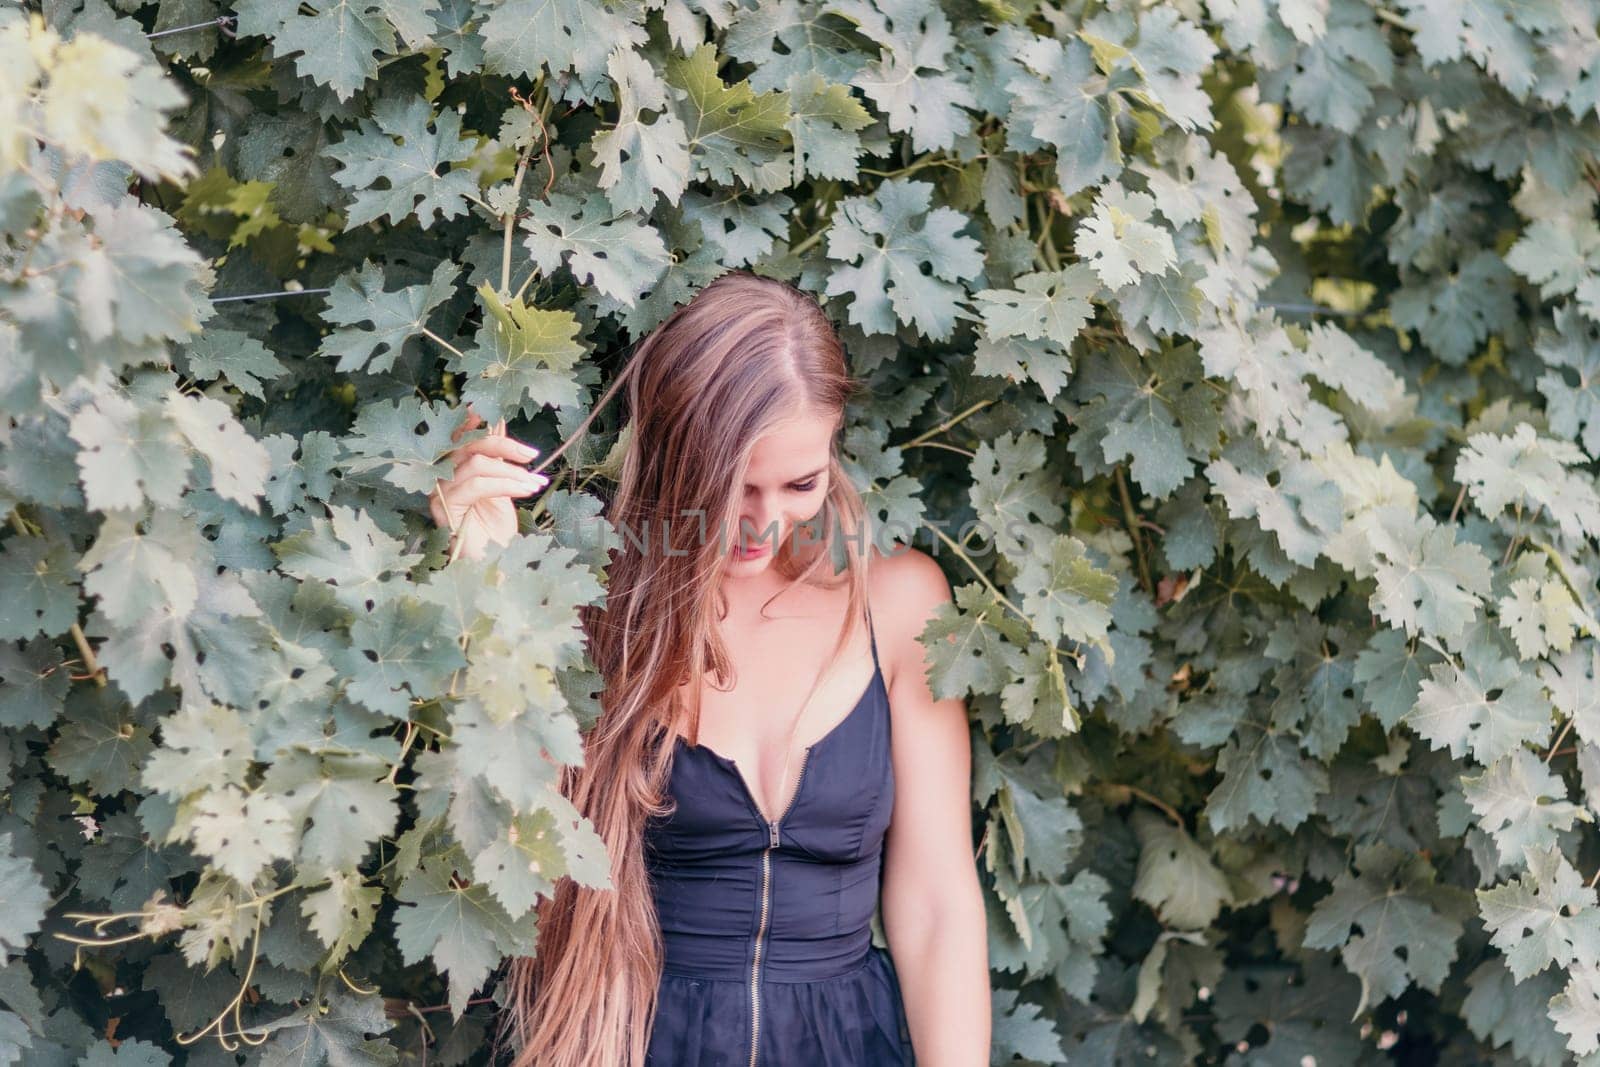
752	821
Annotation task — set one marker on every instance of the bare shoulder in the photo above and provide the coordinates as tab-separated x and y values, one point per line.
905	589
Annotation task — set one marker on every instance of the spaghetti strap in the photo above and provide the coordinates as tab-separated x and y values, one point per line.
872	638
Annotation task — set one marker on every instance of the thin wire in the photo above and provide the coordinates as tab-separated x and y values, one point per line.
264	296
221	23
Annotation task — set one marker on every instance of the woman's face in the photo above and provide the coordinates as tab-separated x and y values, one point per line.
786	484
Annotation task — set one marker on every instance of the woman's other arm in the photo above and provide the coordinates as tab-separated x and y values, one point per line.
933	912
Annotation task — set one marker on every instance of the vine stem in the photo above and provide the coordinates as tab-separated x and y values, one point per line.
405	746
1047	244
976	570
929	160
96	671
1515	537
1385	15
90	663
947	424
1132	519
442	343
1562	736
940	444
810	239
509	220
1154	801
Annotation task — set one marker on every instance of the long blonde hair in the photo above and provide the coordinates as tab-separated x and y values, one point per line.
745	354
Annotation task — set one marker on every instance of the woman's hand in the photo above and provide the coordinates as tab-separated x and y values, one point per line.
476	503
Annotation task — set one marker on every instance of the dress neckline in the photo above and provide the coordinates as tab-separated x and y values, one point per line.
874	684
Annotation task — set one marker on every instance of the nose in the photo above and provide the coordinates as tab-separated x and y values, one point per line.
759	522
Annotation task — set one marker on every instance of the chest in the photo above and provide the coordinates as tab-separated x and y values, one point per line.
838	810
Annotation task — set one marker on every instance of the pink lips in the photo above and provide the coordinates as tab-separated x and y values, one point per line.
751	553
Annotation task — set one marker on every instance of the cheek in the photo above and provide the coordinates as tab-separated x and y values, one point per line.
807	507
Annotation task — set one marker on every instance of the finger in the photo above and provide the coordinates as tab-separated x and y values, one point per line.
483	461
488	445
483	487
508	448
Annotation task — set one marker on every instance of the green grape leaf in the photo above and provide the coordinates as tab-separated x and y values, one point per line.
1428	582
130	1052
203	747
1540	615
242	833
528	38
341	913
883	241
399	651
825	123
1521	804
1120	242
1064	594
37	595
970	652
1264	778
344	802
639	160
1571	386
524	358
359	298
409	438
349	552
25	895
1060	98
331	1029
736	135
1390	923
338	43
1176	876
244	361
1043	304
1486	706
1546	916
1526	469
1571	679
1455	312
1020	1029
396	147
621	254
911	81
462	927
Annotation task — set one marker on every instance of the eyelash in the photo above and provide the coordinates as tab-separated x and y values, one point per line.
805	487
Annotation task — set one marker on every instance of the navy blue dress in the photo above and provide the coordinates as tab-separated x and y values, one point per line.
767	925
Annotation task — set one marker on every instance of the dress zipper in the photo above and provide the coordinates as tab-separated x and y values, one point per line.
766	897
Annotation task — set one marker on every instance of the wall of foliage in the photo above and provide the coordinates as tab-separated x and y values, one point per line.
1239	361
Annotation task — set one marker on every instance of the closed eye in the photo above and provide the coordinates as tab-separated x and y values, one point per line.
804	487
